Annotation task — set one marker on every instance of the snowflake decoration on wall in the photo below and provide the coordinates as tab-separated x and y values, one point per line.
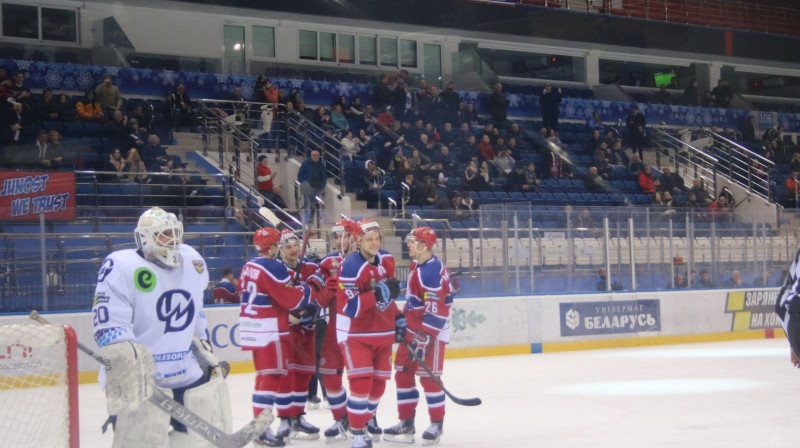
248	88
168	77
514	100
569	110
23	65
52	79
85	80
296	83
343	88
221	78
68	83
111	70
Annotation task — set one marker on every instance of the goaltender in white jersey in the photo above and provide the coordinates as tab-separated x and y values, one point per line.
149	301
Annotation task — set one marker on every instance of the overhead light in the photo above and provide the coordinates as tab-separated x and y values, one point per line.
237	46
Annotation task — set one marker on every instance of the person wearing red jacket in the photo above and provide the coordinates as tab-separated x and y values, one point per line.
485	149
365	328
331	362
646	181
267	297
424	326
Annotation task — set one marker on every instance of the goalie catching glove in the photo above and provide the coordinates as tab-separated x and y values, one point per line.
386	291
128	375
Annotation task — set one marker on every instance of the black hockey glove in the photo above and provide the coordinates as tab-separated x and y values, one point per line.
386	291
400	328
309	315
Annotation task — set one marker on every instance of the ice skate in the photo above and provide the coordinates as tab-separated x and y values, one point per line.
361	439
402	432
374	430
285	428
301	429
338	432
432	435
267	438
312	403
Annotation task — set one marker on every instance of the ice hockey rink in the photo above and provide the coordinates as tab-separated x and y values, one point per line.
726	394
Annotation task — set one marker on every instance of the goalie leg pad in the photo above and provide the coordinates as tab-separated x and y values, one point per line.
210	401
128	380
143	426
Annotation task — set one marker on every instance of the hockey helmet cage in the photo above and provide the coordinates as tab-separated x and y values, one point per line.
158	236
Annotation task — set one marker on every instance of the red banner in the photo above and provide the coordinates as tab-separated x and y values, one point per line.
25	194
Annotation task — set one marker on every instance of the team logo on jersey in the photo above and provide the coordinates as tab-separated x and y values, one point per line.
176	309
105	269
144	279
101	297
198	266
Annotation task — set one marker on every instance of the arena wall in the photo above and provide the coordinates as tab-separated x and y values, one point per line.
537	324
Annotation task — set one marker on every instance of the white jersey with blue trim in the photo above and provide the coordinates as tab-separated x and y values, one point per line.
139	301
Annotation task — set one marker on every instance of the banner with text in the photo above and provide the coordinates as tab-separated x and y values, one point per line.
26	194
609	317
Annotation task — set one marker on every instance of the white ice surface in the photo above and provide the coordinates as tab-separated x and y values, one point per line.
715	395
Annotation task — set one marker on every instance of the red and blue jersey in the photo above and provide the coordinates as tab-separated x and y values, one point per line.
428	299
225	292
360	316
267	296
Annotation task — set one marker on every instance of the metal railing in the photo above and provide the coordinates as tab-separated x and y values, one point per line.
303	137
743	166
684	159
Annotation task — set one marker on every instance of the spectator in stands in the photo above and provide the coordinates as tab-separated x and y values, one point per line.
48	108
276	202
530	177
225	291
550	102
135	169
402	101
735	280
485	149
720	210
700	192
498	106
89	109
54	155
636	166
595	123
662	96
646	181
594	182
152	151
264	176
374	182
68	112
594	142
136	137
618	155
690	97
517	181
338	120
773	134
722	94
556	167
793	185
383	92
504	163
679	282
448	163
108	96
470	114
762	279
601	159
749	129
419	162
636	131
116	162
322	119
472	179
19	92
350	145
601	284
670	181
41	146
552	137
313	179
448	100
180	105
705	280
17	129
448	136
794	162
143	116
707	100
664	200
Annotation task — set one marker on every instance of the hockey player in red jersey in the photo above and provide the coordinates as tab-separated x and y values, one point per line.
331	364
366	328
267	297
426	330
293	393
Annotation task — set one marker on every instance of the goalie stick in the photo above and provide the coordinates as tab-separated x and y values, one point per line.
180	413
462	401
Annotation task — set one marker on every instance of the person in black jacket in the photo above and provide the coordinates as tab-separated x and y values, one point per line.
448	101
749	130
550	102
690	97
636	133
498	106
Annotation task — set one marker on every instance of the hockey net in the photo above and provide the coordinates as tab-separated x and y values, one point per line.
38	386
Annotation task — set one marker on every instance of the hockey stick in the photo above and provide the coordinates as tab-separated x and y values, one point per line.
192	421
462	401
300	257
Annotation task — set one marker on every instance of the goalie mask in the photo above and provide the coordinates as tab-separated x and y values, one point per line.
158	236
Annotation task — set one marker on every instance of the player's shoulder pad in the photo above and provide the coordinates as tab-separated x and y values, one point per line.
274	268
430	273
352	265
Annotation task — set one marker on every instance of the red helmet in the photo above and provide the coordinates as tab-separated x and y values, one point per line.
367	225
289	237
424	235
343	225
265	237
